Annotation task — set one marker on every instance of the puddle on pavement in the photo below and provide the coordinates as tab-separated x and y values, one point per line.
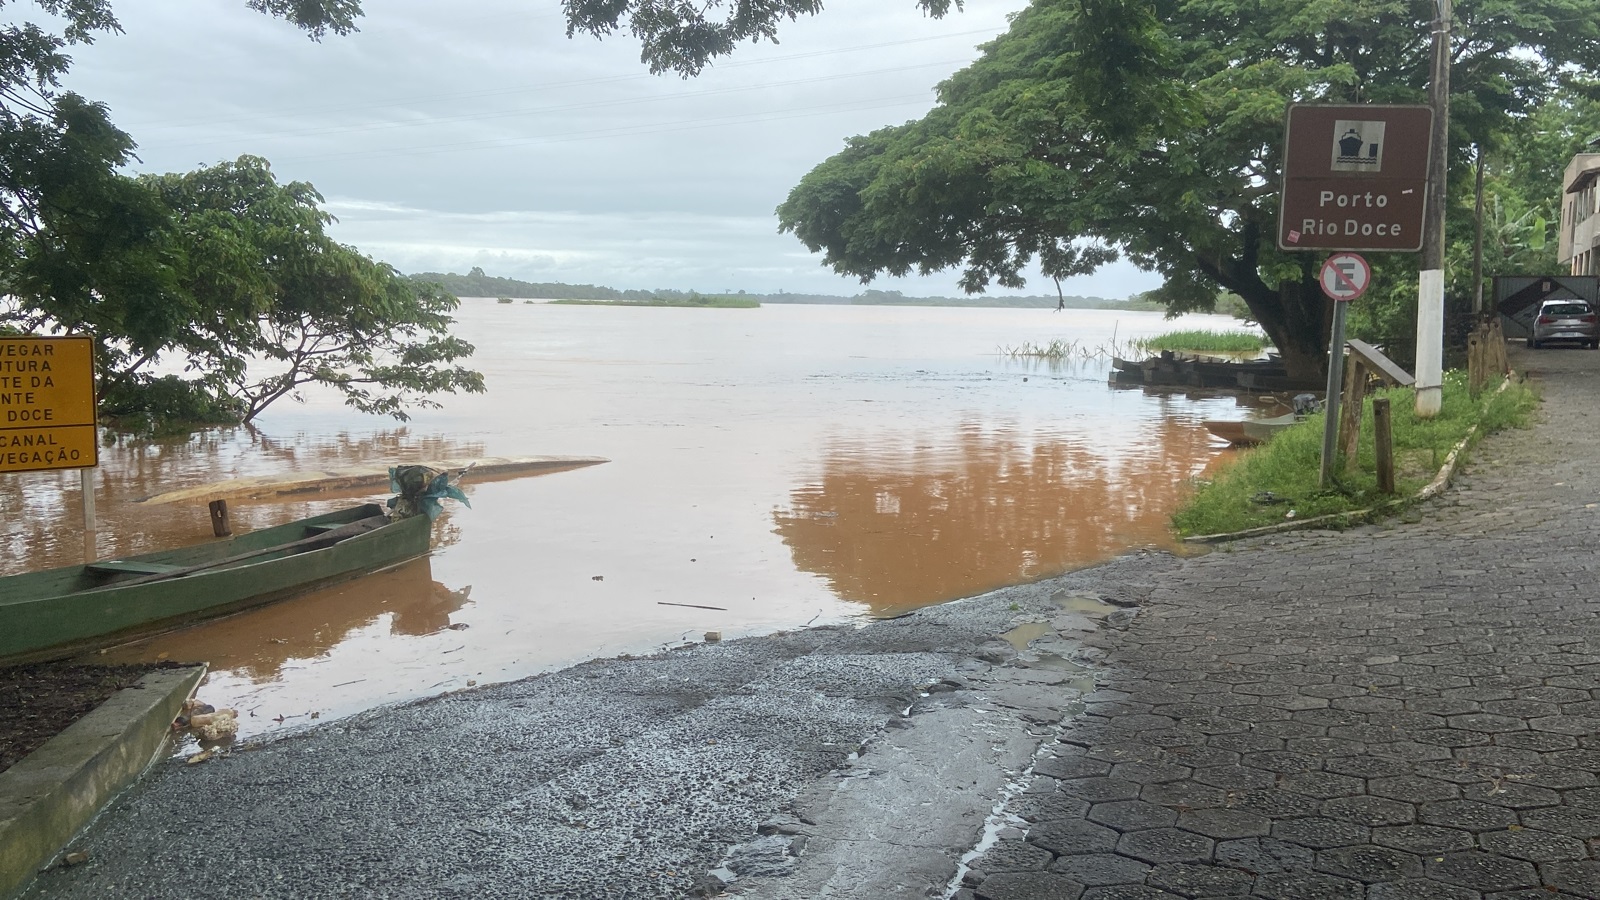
1082	603
1083	680
1021	636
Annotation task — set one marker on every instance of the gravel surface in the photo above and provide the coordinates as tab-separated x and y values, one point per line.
624	778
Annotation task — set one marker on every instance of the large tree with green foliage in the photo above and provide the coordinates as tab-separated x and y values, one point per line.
237	279
223	270
1152	129
279	304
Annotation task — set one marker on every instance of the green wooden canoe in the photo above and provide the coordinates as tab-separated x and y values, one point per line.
60	611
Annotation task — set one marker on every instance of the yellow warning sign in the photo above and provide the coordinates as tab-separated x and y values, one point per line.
47	405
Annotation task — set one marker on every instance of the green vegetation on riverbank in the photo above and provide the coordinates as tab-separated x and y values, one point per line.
1203	341
1196	341
1278	481
691	299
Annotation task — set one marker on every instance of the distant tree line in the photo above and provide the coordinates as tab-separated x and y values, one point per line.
994	301
478	284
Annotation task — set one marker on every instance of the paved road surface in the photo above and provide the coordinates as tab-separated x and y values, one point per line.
1405	711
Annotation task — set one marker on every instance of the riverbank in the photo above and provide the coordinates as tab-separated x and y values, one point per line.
1400	710
804	465
1278	483
623	778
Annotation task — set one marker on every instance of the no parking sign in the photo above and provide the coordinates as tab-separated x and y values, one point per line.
1345	276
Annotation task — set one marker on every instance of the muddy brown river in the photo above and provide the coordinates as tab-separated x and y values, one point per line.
789	464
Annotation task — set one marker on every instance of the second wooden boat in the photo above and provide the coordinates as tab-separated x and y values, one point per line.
1247	432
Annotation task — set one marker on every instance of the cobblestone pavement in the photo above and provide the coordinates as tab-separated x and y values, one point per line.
1400	712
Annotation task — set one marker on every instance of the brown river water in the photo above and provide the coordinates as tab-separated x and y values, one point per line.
789	464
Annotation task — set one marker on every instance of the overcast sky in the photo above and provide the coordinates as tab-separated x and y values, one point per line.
446	136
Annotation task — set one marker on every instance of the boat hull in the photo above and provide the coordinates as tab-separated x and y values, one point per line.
57	612
1249	432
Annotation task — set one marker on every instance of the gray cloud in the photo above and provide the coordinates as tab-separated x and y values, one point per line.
478	134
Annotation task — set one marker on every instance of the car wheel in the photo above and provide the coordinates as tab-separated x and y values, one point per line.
1533	344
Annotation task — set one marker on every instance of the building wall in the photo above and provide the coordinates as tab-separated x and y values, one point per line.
1579	242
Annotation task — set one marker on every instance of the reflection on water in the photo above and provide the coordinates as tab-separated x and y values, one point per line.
901	527
256	645
42	526
902	461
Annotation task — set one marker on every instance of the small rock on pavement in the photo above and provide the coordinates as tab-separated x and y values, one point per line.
707	885
764	857
75	858
996	652
778	826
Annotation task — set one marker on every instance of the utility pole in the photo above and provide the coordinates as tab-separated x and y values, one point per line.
1477	242
1430	281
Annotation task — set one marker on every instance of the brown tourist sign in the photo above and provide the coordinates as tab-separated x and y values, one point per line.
1354	178
47	405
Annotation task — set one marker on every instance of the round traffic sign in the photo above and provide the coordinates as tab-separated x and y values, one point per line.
1345	276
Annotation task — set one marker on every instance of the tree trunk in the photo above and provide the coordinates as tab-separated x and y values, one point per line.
1296	317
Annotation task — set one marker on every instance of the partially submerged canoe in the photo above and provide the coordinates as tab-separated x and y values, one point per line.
59	611
1249	432
364	477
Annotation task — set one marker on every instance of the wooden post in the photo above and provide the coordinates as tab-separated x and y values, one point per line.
1383	439
220	526
90	520
1355	391
1477	363
1497	346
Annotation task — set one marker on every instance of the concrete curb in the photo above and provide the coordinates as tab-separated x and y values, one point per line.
1428	492
54	791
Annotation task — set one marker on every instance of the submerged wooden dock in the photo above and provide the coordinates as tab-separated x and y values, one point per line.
1175	370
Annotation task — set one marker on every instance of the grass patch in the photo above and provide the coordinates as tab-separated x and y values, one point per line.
1060	350
1288	466
1056	349
692	300
1202	341
1197	341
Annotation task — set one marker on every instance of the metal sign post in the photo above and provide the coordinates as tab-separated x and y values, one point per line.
1344	277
